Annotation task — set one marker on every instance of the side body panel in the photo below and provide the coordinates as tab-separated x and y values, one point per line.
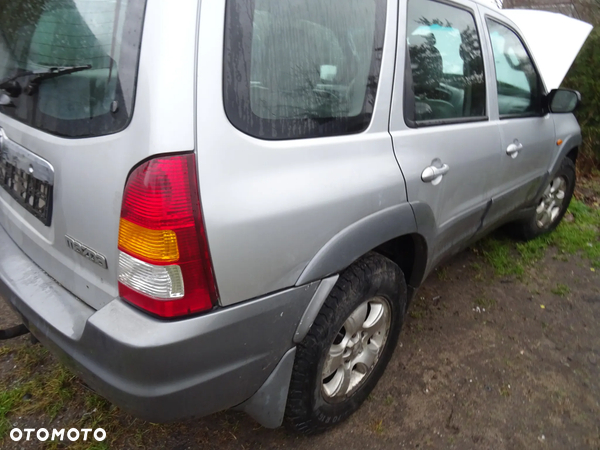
517	177
567	129
271	206
448	213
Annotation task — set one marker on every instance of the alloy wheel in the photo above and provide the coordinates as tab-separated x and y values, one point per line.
551	203
356	349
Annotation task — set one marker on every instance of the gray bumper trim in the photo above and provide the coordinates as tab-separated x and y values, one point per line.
157	370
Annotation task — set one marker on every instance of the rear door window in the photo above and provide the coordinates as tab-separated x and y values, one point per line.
445	81
300	69
102	35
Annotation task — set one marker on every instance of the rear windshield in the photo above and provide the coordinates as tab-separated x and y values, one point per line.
92	46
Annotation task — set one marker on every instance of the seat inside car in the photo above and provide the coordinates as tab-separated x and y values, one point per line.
309	62
293	59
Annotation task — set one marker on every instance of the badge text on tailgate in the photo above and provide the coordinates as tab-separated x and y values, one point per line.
87	252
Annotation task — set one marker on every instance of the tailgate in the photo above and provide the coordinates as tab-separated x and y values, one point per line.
70	141
87	184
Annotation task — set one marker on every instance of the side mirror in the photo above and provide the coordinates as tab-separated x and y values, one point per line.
563	100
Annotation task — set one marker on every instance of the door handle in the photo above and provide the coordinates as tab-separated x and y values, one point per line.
433	174
514	149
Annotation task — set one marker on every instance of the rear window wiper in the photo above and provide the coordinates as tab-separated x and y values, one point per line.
14	89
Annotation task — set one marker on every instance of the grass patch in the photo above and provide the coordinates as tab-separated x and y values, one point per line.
418	308
487	303
533	251
505	390
561	290
476	266
33	389
378	427
478	269
39	386
442	273
8	400
389	400
41	390
581	235
500	255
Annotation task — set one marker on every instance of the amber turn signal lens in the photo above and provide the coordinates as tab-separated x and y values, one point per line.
150	245
559	142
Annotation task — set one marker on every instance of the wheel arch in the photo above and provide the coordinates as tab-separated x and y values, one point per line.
573	154
569	148
409	252
392	232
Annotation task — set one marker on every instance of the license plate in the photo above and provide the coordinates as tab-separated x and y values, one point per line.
27	178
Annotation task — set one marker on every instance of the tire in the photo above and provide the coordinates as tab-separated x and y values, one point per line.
533	227
317	401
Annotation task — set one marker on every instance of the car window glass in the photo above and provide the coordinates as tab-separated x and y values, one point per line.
38	35
518	84
446	65
297	69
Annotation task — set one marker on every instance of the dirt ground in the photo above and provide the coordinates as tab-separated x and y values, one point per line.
484	362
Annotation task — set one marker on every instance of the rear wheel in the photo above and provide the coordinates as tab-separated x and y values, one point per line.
552	205
348	347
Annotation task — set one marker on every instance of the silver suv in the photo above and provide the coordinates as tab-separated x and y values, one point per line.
230	203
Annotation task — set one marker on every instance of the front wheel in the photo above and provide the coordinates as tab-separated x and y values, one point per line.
349	345
552	205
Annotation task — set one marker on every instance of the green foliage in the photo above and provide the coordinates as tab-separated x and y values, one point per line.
499	253
561	290
583	234
35	386
40	391
583	77
485	302
580	235
8	400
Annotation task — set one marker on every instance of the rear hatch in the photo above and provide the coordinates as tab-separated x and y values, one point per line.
69	75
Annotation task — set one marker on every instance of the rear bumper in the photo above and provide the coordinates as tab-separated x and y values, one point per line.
156	370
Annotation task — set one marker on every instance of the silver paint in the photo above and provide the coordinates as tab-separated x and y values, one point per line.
277	214
86	252
158	370
90	173
271	206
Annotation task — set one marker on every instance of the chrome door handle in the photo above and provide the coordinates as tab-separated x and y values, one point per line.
514	149
434	174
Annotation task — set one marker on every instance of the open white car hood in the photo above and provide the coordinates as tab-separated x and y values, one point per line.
553	39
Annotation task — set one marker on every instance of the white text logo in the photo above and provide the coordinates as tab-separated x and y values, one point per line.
43	435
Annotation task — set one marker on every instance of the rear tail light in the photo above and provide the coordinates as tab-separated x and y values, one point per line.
164	262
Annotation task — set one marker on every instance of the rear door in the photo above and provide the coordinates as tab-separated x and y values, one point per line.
526	129
443	138
297	151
